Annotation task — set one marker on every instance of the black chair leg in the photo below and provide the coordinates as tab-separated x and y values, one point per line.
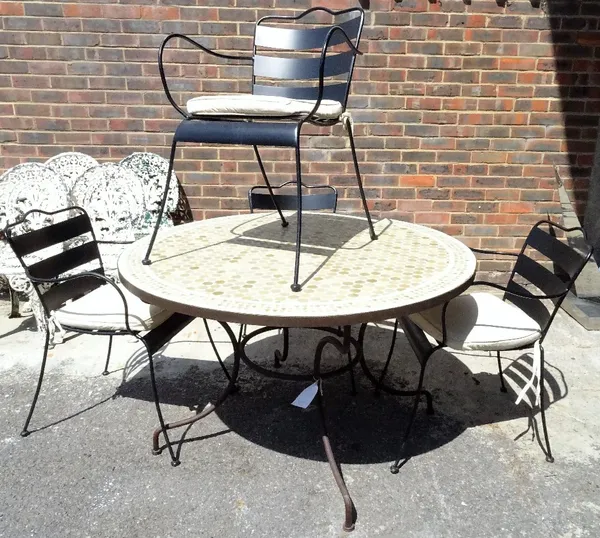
163	203
25	432
360	185
395	467
549	456
284	222
389	358
295	286
500	373
14	303
110	340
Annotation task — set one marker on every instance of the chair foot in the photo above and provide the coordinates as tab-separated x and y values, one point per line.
284	223
550	458
373	236
25	433
234	389
146	261
156	451
105	373
349	528
394	469
503	389
175	463
296	287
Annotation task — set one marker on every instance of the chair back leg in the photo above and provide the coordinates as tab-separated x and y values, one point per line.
360	185
548	450
163	203
295	286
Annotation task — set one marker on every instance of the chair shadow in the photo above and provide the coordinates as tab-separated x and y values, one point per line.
27	323
364	428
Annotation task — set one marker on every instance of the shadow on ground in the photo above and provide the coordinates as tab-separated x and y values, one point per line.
364	428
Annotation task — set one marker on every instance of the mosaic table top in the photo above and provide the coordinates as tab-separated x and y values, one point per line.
239	269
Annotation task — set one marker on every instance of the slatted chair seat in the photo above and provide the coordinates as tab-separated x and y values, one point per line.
103	309
261	106
480	321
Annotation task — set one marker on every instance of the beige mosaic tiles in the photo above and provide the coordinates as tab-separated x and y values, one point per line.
240	268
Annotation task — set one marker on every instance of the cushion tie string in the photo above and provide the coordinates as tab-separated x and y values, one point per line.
56	329
536	374
347	121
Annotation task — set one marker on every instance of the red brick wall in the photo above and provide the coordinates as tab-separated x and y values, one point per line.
462	108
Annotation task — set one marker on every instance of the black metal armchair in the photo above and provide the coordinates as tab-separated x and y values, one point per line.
311	87
519	319
62	260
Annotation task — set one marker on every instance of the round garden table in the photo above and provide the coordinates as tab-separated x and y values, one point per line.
238	269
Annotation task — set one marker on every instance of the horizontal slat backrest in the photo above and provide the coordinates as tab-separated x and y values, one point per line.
335	92
531	274
65	261
263	200
302	68
61	242
287	54
35	240
302	39
555	250
59	294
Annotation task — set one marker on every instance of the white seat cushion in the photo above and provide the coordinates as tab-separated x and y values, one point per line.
260	105
480	321
102	309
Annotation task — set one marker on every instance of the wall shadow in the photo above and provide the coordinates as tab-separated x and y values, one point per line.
576	41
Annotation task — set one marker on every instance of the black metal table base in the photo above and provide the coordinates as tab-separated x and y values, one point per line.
344	342
344	347
210	407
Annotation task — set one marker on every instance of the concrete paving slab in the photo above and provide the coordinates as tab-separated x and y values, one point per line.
256	467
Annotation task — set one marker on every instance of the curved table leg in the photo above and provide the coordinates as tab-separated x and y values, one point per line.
350	514
210	407
378	381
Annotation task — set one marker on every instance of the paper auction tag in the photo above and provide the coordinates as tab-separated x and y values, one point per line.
304	399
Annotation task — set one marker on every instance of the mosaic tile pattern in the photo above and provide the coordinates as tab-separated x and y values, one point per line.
240	268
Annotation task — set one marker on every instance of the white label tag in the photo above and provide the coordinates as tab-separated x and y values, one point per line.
304	399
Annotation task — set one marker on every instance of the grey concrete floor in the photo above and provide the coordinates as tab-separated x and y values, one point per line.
256	466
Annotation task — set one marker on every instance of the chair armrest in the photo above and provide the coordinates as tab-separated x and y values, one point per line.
197	45
324	51
517	294
498	252
88	274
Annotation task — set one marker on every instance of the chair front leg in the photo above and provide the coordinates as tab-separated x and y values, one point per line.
110	341
25	432
295	286
163	203
500	373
